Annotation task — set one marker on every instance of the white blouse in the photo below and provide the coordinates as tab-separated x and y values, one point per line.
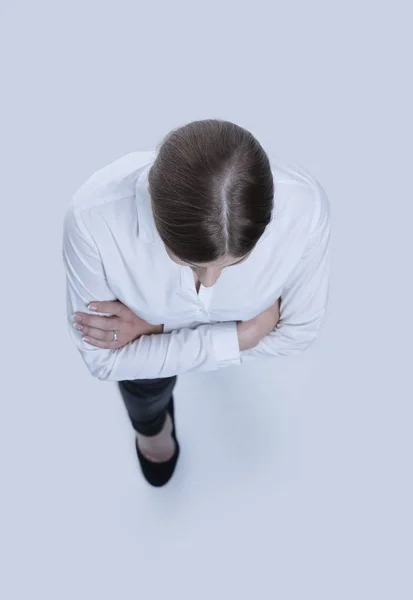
112	251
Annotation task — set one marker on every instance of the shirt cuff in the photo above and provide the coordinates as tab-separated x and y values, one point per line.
225	343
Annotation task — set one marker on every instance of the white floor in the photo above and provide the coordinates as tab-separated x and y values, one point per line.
293	483
295	479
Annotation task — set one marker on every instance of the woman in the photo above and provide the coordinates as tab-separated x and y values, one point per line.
188	255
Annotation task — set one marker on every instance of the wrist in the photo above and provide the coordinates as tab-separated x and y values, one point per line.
155	329
145	328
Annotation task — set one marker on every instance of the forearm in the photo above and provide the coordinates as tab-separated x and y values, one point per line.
286	340
158	354
205	348
250	333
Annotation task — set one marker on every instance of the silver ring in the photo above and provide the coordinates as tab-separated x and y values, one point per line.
115	336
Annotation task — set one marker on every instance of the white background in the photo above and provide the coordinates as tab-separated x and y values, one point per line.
295	475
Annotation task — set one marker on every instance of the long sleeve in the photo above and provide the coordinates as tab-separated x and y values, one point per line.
305	295
205	348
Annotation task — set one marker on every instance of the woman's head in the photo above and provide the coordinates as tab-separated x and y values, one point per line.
212	193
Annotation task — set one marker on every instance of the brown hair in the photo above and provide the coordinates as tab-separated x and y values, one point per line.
212	191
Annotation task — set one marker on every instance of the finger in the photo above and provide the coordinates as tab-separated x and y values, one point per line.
101	343
113	308
104	323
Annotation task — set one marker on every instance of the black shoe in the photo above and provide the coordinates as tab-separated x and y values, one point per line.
158	474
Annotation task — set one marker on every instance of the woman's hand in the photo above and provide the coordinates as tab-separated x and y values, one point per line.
252	331
99	330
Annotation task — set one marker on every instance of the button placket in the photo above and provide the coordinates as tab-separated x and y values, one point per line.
188	283
203	297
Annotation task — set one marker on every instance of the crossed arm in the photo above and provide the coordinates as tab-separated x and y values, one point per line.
144	351
98	330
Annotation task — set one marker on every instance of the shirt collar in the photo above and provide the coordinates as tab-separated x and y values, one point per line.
146	223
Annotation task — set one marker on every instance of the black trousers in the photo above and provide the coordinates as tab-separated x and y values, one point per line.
146	402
